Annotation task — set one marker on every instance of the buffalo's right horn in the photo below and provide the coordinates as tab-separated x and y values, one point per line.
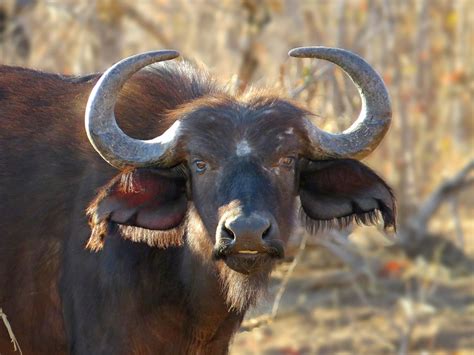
374	120
117	148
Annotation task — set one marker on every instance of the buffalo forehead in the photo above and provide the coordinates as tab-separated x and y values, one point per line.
224	134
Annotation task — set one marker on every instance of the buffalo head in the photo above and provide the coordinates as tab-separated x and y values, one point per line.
230	173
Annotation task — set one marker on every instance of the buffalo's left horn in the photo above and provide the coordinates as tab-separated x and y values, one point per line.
117	148
374	120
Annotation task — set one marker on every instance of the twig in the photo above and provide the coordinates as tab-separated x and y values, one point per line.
258	17
310	80
16	345
457	221
339	247
268	318
146	24
336	278
264	319
286	279
446	189
406	337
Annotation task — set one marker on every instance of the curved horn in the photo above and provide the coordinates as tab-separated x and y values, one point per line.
118	149
363	136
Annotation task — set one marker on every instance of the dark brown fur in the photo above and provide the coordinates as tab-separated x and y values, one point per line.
133	290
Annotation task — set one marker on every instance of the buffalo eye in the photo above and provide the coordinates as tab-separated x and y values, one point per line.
200	166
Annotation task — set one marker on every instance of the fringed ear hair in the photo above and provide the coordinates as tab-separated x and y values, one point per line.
316	225
336	193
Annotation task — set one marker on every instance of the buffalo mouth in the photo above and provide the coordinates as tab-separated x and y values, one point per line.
249	264
249	261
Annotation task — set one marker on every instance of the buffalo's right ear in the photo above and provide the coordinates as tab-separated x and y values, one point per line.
143	205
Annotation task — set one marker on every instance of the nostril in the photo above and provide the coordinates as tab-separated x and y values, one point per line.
227	233
266	233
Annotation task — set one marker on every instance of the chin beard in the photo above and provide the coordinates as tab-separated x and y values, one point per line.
244	290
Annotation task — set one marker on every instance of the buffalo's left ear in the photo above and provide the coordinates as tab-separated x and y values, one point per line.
343	191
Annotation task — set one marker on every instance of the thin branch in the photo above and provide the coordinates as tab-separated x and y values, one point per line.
268	318
146	24
286	279
406	336
457	221
446	189
310	80
258	17
16	345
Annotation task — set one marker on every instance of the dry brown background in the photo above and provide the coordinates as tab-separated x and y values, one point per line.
352	291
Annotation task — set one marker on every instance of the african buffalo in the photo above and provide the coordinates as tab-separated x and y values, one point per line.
166	254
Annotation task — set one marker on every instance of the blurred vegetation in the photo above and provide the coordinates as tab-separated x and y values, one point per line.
424	51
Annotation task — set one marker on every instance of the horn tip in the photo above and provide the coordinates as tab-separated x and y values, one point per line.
168	54
301	52
315	51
